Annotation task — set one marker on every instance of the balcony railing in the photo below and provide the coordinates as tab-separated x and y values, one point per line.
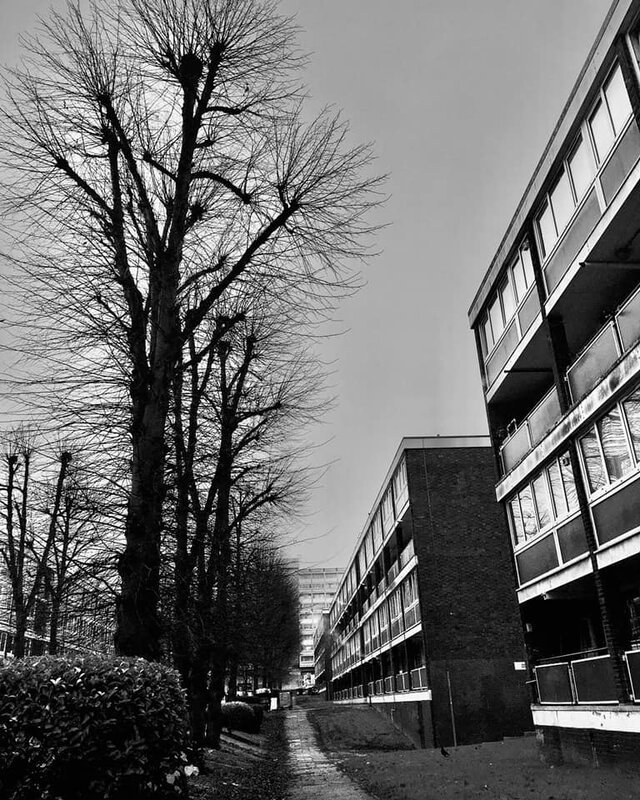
407	554
394	571
632	658
618	336
418	678
403	682
371	688
379	686
577	681
411	616
531	430
390	684
396	626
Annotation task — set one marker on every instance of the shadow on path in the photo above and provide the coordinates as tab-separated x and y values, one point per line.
313	776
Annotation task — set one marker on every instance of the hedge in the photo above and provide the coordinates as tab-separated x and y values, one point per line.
238	716
91	728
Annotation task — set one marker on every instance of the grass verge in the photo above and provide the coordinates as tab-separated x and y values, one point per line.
369	750
357	727
246	772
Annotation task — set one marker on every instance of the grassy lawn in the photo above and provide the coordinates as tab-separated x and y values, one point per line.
509	770
252	767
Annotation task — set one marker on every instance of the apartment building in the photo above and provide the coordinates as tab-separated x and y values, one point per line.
322	657
557	327
316	588
425	624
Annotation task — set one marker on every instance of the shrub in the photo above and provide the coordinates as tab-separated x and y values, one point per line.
238	716
91	728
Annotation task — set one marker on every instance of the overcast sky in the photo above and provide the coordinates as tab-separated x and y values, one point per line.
460	97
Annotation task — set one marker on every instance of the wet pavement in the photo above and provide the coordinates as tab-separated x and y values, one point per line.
313	776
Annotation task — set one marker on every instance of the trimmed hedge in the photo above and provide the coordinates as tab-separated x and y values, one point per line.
91	728
238	716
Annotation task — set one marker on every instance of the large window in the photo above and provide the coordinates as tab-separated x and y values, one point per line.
611	448
610	114
549	497
602	127
511	292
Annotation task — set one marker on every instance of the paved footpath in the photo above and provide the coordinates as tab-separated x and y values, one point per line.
314	777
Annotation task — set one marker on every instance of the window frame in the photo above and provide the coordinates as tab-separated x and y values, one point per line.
586	136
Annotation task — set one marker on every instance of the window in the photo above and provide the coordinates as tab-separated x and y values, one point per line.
569	482
400	483
590	447
547	230
522	271
614	445
606	451
508	300
601	130
543	501
562	202
581	168
547	499
511	292
528	513
496	318
615	93
610	114
557	490
632	412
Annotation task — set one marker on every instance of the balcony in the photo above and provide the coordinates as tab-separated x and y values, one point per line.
396	626
513	334
411	616
618	336
587	678
392	574
532	430
418	678
390	684
406	555
403	682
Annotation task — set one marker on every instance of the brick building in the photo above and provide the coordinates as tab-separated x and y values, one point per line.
557	326
425	624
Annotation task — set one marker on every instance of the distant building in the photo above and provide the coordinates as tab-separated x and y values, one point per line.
322	657
557	326
425	624
316	589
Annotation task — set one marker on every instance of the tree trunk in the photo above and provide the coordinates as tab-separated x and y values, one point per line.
19	641
138	624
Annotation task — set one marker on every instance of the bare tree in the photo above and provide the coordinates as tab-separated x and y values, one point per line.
238	407
157	158
25	550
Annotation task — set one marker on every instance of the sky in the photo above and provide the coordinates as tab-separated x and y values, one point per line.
459	98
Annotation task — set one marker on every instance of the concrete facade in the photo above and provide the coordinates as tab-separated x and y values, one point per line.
557	327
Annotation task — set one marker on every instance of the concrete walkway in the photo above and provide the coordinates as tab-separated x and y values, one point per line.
314	777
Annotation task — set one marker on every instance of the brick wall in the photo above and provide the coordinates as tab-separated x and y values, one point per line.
470	615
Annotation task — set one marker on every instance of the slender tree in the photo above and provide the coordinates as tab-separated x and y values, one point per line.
156	158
